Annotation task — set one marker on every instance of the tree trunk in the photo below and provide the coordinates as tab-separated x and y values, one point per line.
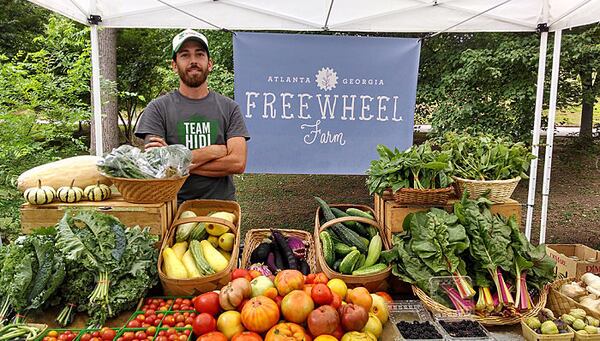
587	105
107	41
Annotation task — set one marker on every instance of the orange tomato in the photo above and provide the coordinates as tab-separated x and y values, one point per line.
247	336
270	293
336	301
321	294
385	296
212	336
360	296
308	289
309	279
287	331
320	278
260	314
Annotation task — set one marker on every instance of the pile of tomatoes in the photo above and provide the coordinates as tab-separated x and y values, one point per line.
103	334
54	335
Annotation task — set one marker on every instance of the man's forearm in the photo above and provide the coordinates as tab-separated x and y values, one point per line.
227	165
207	154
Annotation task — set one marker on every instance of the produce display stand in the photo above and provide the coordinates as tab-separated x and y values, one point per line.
156	216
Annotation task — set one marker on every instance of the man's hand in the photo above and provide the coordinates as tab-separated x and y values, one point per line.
206	154
154	142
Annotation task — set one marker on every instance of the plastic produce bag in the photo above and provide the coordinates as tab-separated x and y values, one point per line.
156	163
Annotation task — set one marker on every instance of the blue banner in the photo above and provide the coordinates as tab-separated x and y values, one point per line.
320	104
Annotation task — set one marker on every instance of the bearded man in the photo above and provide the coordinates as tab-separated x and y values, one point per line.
208	123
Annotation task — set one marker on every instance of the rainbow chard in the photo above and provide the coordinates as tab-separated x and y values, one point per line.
490	241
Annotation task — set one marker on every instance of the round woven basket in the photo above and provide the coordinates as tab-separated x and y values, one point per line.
412	196
255	236
437	308
148	191
499	190
373	282
562	304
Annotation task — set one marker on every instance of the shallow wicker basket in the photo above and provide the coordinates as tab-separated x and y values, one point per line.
439	309
561	304
255	236
148	191
412	196
499	190
194	286
373	282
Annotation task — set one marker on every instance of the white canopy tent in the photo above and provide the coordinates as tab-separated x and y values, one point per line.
430	16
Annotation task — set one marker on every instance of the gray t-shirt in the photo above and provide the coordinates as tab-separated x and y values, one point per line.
195	123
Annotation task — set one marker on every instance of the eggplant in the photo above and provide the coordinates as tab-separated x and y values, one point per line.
279	261
271	263
260	253
304	268
286	252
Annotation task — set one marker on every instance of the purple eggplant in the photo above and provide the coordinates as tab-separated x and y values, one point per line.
286	252
297	246
271	263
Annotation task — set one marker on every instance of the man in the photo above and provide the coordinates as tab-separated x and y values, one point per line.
209	124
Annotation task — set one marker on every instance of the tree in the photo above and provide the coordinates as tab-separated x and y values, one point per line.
107	44
20	22
580	61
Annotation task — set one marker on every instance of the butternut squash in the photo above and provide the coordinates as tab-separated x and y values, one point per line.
190	265
60	173
172	266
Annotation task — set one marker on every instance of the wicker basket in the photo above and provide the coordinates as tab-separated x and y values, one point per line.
148	191
499	190
255	236
374	282
530	335
561	304
412	196
437	308
189	287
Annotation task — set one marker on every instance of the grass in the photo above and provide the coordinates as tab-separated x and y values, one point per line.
572	116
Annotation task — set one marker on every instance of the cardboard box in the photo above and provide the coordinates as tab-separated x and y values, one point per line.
391	214
156	216
573	260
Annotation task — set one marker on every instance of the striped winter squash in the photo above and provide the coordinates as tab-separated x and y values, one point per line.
39	195
97	192
69	194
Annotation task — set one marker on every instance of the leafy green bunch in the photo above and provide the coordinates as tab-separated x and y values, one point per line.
418	167
486	157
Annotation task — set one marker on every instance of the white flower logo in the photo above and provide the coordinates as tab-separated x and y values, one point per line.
326	79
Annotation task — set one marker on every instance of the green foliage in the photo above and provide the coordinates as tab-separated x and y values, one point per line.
486	157
418	167
20	22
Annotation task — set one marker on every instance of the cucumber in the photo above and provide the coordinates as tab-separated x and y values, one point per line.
369	270
359	213
333	236
372	230
349	262
336	265
360	263
374	251
327	245
346	235
353	225
343	249
365	242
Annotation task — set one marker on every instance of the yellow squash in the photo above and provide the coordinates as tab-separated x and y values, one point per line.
179	249
190	265
172	266
214	258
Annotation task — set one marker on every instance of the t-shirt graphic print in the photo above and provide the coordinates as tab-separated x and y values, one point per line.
197	132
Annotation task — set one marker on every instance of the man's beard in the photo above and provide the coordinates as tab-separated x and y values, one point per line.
193	81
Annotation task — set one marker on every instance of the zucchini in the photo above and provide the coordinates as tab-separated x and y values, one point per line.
360	263
353	225
336	265
372	230
343	249
369	270
201	262
374	250
349	262
198	232
346	235
327	245
359	213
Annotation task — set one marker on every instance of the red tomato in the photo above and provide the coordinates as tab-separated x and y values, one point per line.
247	336
182	338
243	273
156	322
107	334
86	337
175	306
186	301
173	337
336	302
149	321
187	332
151	331
212	336
171	331
134	324
321	294
140	335
180	324
189	320
96	334
162	333
207	303
204	323
309	279
128	336
179	318
385	296
169	320
120	338
95	339
149	312
178	300
161	338
140	317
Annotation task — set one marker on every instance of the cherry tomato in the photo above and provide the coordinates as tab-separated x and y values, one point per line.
189	320
52	333
183	338
180	324
140	317
178	300
149	312
128	336
86	337
175	306
162	333
96	334
169	320
107	333
179	318
133	324
140	335
161	338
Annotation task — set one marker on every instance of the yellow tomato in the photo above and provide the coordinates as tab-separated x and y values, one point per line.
338	286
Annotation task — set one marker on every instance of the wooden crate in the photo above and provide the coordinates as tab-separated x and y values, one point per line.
156	216
391	214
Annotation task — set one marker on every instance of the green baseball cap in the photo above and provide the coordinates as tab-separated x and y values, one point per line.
186	35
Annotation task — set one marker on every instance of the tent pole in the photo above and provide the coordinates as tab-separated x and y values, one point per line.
537	123
97	103
550	133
